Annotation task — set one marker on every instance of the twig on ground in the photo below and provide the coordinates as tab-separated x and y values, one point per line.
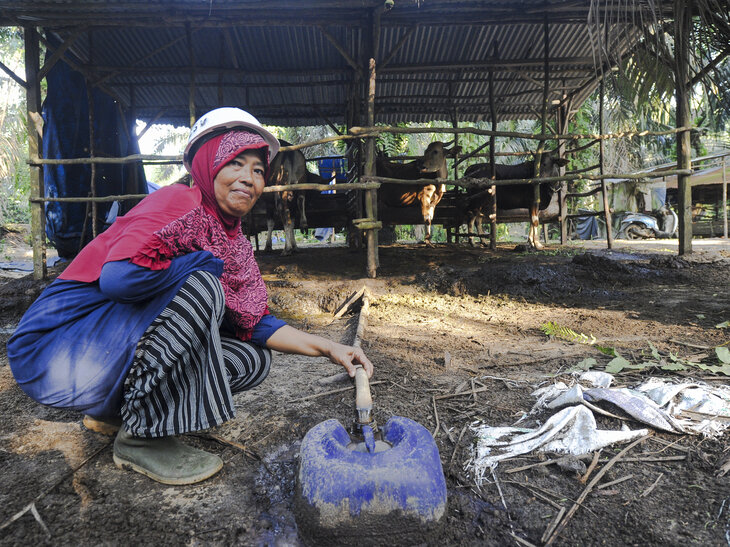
672	444
39	520
561	526
652	487
617	481
501	496
246	451
461	393
31	505
521	541
552	525
330	392
688	344
591	467
436	416
538	464
651	459
456	447
448	433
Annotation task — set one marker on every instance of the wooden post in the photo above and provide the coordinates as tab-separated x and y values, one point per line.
33	102
724	197
92	154
562	116
371	197
541	145
454	123
191	55
492	159
601	156
682	22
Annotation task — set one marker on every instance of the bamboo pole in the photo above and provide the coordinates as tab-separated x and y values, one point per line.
601	170
33	102
493	175
191	56
483	182
92	153
535	220
682	23
371	207
374	131
724	198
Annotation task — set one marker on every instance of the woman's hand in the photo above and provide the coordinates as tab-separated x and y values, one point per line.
349	357
287	339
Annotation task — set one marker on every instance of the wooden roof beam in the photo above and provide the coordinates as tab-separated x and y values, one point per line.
20	81
67	43
350	61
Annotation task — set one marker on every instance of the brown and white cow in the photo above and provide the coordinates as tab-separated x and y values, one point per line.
289	167
431	165
513	196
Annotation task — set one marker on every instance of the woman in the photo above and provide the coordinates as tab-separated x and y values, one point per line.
160	319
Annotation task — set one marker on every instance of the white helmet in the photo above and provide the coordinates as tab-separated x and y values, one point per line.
219	120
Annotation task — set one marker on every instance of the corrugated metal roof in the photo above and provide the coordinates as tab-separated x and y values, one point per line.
278	60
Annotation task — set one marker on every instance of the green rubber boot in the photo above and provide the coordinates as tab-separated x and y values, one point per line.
164	459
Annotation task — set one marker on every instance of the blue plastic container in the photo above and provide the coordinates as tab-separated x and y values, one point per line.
345	496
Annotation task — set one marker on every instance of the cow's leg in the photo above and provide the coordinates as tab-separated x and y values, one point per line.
427	209
282	208
271	211
534	237
471	224
269	231
303	225
480	228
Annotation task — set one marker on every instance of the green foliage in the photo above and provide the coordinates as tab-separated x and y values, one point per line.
670	362
566	333
14	171
164	140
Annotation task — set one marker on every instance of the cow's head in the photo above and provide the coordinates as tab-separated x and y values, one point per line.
434	158
551	163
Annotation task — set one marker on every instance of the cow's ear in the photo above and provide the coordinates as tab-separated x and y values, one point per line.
562	162
452	152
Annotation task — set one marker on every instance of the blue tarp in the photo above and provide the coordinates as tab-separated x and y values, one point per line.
336	168
66	135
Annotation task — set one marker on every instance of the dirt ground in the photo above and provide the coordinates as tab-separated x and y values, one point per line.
442	320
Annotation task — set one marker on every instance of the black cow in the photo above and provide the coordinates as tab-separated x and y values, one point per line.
431	165
288	167
513	196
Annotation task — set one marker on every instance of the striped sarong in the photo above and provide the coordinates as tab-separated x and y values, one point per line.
185	371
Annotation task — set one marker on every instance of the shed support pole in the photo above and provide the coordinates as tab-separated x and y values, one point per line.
92	154
724	197
371	197
562	115
682	22
492	159
191	55
534	238
601	156
33	101
450	229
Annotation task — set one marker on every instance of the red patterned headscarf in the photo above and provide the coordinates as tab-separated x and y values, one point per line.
211	157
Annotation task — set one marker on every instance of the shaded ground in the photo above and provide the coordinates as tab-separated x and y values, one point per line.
442	321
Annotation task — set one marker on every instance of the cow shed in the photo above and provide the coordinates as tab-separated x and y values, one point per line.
315	62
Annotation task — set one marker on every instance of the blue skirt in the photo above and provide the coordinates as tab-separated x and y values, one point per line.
74	346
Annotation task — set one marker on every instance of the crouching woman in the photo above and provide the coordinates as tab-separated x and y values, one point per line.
163	317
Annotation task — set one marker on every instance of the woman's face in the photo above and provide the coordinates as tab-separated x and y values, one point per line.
240	183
